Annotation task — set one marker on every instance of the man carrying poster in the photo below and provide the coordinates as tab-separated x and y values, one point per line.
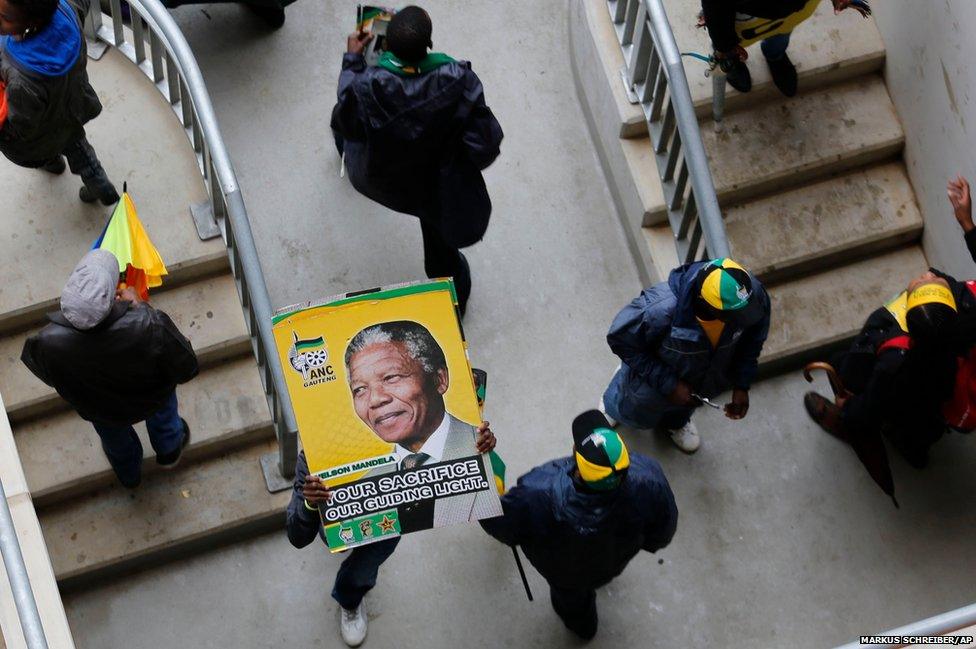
390	433
358	572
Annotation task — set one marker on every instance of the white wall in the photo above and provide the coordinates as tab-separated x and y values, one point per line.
931	47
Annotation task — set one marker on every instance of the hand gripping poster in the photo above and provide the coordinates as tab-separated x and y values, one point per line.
387	411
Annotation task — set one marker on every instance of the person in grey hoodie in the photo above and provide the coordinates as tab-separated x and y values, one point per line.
43	61
116	360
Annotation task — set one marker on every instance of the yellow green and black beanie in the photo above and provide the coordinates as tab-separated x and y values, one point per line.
601	455
725	292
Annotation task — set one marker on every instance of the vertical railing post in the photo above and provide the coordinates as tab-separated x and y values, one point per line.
655	78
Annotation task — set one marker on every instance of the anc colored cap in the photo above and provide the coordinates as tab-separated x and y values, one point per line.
933	293
930	308
601	455
726	290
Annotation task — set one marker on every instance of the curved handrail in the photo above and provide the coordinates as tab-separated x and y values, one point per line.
655	78
145	33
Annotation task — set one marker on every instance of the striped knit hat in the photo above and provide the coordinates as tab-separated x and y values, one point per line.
601	455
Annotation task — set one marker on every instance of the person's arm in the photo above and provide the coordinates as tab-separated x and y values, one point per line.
302	520
25	107
745	364
659	530
30	357
720	19
962	209
633	333
176	352
482	134
345	115
515	519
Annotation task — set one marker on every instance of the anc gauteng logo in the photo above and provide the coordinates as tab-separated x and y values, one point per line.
310	358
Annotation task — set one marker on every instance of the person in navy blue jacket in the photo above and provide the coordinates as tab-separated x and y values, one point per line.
415	134
581	519
685	340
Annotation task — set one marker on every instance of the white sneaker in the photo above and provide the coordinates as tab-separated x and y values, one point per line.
603	410
352	625
686	438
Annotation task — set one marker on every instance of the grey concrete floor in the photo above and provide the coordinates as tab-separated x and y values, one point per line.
782	539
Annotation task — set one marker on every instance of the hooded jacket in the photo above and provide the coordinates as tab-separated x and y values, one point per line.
659	339
120	371
720	17
413	142
49	98
581	539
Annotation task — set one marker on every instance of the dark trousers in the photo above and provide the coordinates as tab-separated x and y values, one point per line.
123	448
82	161
443	260
576	608
357	574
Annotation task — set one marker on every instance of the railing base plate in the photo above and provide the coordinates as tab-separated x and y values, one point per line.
631	95
203	218
96	49
273	479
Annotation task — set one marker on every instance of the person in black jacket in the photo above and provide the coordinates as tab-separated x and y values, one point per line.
898	376
43	59
415	133
720	18
357	574
116	360
581	519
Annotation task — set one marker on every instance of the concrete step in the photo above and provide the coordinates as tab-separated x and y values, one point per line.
139	140
171	514
208	312
825	224
778	146
814	313
225	407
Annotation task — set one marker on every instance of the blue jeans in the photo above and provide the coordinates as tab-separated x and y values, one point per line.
357	574
638	405
123	448
774	47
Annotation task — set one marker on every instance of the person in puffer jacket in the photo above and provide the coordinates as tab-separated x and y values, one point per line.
43	59
685	341
415	134
581	519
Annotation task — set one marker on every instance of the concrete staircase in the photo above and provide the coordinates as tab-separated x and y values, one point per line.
93	527
816	198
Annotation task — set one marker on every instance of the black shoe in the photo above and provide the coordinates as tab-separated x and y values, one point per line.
738	76
274	17
170	460
108	197
56	166
784	75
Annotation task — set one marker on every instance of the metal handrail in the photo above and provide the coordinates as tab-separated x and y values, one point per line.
655	78
148	36
13	562
938	625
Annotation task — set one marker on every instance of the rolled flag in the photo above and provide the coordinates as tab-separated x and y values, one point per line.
126	238
498	470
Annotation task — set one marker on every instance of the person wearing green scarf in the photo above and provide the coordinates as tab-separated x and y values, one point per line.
415	133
